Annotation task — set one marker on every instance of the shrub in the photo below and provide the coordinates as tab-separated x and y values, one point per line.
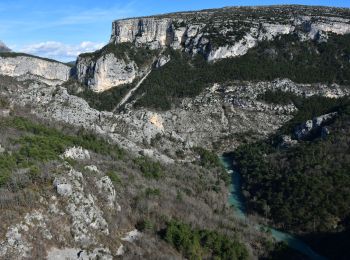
114	177
149	168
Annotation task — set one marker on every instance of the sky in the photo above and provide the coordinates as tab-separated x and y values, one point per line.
63	29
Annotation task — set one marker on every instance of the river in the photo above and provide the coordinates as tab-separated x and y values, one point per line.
236	199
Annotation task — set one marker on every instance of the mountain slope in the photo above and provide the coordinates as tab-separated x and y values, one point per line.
144	181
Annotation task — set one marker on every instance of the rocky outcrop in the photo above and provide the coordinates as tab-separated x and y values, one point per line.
226	33
105	72
305	130
28	67
162	60
76	153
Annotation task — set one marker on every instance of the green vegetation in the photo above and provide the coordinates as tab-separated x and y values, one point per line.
203	244
278	97
114	177
149	168
124	51
308	108
104	101
152	192
210	160
304	62
42	144
304	188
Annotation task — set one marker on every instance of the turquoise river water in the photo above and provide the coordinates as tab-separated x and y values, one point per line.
236	199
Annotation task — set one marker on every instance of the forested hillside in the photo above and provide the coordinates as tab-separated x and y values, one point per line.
285	57
303	188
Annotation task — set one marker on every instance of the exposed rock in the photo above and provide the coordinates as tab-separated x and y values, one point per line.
77	153
120	250
150	31
287	141
106	72
74	253
162	61
16	241
64	189
305	129
85	214
2	149
28	67
92	168
106	188
189	31
4	112
132	236
324	132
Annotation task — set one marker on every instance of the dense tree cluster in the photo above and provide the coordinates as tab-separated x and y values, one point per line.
203	244
304	188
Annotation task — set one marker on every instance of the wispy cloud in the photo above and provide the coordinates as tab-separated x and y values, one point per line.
61	51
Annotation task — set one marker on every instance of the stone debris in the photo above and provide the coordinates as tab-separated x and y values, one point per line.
77	153
132	236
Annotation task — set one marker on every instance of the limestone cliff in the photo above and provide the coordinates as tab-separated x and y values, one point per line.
106	72
25	67
215	34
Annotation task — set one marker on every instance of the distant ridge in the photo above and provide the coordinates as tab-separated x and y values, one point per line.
4	48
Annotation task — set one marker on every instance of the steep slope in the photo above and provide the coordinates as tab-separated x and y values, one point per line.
137	182
214	46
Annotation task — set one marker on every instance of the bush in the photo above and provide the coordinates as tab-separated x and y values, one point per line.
114	177
149	168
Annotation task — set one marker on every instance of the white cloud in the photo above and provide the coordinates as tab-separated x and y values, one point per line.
60	51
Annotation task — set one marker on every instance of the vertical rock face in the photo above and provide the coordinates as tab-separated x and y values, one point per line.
106	72
151	31
27	67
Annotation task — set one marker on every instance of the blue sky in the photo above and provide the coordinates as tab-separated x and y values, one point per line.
62	29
